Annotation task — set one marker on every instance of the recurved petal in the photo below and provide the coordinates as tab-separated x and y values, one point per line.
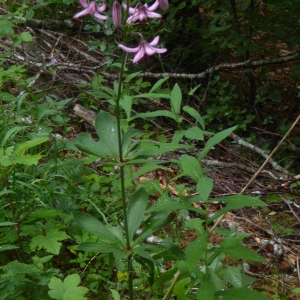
101	8
154	6
128	49
153	15
83	3
81	14
140	54
149	50
155	41
162	50
129	20
100	17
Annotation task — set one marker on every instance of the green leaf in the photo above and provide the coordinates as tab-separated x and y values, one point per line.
93	226
14	268
131	76
233	276
170	251
11	132
235	202
296	290
7	247
158	84
148	266
6	28
238	293
196	250
204	187
238	251
153	223
115	294
126	104
5	192
126	141
176	98
157	113
7	224
67	290
152	95
29	144
145	169
136	210
181	287
106	127
99	95
46	112
191	92
87	145
170	147
27	160
192	112
26	37
207	289
174	205
194	133
217	138
196	224
6	97
99	247
191	167
50	242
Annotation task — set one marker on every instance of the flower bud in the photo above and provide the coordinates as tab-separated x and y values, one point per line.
163	4
116	13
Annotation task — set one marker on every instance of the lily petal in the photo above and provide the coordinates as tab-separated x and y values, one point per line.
81	14
154	15
83	3
128	49
139	56
161	50
101	8
154	6
143	49
149	50
155	41
100	17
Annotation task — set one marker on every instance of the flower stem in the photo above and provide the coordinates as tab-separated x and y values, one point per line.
122	174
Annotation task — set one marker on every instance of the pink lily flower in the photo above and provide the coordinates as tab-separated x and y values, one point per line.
91	9
142	12
143	49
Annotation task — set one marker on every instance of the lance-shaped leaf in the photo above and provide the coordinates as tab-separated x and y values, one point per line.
135	211
153	223
191	167
95	227
217	138
107	129
127	146
176	98
99	247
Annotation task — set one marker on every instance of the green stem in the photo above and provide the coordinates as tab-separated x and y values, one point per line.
122	174
130	279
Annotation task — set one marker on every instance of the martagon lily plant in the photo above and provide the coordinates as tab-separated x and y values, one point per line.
124	16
